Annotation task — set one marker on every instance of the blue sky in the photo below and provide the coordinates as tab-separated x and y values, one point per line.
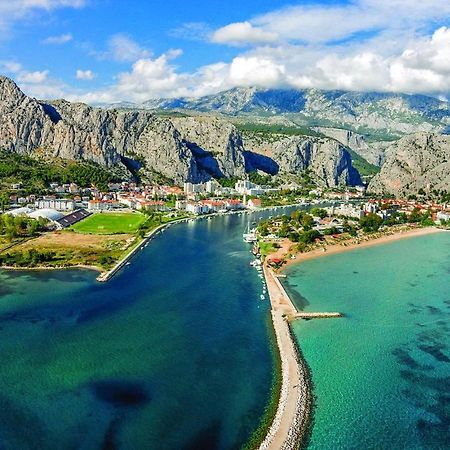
109	51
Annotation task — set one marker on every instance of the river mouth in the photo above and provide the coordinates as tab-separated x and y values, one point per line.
178	336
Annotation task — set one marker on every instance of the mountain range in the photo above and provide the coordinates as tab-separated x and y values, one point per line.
376	115
337	136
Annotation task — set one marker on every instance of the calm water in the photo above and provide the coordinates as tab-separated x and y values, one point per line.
172	353
382	374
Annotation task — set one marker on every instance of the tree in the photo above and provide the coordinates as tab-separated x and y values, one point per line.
308	237
307	222
371	222
319	212
4	201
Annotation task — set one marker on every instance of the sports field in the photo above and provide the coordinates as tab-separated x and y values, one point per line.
110	223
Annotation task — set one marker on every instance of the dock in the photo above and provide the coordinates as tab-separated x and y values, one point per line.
316	315
292	416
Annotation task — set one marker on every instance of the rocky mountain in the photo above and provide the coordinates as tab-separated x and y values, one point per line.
373	152
418	161
328	160
377	115
180	149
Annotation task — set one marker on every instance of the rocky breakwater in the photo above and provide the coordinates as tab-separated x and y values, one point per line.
293	411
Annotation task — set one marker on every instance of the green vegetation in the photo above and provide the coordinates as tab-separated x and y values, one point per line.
371	222
110	223
35	175
268	129
266	248
20	226
364	168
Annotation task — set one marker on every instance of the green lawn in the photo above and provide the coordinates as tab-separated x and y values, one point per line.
110	223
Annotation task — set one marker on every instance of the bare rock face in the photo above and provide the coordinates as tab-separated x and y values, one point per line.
374	154
418	161
216	144
326	158
180	149
75	131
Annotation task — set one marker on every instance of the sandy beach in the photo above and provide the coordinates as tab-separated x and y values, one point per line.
349	245
293	411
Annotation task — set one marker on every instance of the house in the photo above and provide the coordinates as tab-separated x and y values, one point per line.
254	203
197	208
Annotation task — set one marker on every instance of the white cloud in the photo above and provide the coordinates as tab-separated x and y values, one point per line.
84	74
192	31
325	23
58	40
254	71
39	76
243	33
124	49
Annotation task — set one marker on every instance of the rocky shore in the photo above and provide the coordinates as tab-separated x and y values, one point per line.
293	411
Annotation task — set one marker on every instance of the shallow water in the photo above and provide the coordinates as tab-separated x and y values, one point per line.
172	353
382	374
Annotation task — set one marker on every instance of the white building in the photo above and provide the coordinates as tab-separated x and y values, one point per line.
197	208
443	215
60	204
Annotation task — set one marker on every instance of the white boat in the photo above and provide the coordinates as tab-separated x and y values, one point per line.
256	263
250	236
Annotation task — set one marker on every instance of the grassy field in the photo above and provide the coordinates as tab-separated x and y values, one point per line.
66	248
110	223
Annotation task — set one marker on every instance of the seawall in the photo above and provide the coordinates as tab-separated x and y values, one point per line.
292	416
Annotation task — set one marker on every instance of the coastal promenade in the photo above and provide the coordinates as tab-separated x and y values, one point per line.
291	417
293	412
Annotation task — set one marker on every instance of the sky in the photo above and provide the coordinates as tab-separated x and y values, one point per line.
107	51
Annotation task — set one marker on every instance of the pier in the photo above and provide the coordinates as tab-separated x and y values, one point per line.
316	315
293	411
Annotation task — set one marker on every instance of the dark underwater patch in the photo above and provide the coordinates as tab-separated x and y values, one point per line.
403	357
207	439
433	310
121	394
435	351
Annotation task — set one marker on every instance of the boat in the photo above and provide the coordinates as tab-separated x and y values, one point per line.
250	235
262	297
256	263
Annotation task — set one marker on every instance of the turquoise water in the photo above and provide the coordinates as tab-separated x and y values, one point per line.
382	374
173	353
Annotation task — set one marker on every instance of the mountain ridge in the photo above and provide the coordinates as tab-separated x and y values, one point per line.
179	149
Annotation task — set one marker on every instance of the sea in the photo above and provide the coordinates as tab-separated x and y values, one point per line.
381	374
174	352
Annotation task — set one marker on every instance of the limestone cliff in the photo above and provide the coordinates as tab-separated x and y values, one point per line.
180	149
418	161
373	153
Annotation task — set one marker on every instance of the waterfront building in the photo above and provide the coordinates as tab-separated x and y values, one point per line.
254	203
197	208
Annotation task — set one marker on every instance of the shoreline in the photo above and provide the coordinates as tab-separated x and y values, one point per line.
291	423
47	268
105	275
292	417
337	248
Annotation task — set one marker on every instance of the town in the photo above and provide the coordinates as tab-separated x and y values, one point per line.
197	199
